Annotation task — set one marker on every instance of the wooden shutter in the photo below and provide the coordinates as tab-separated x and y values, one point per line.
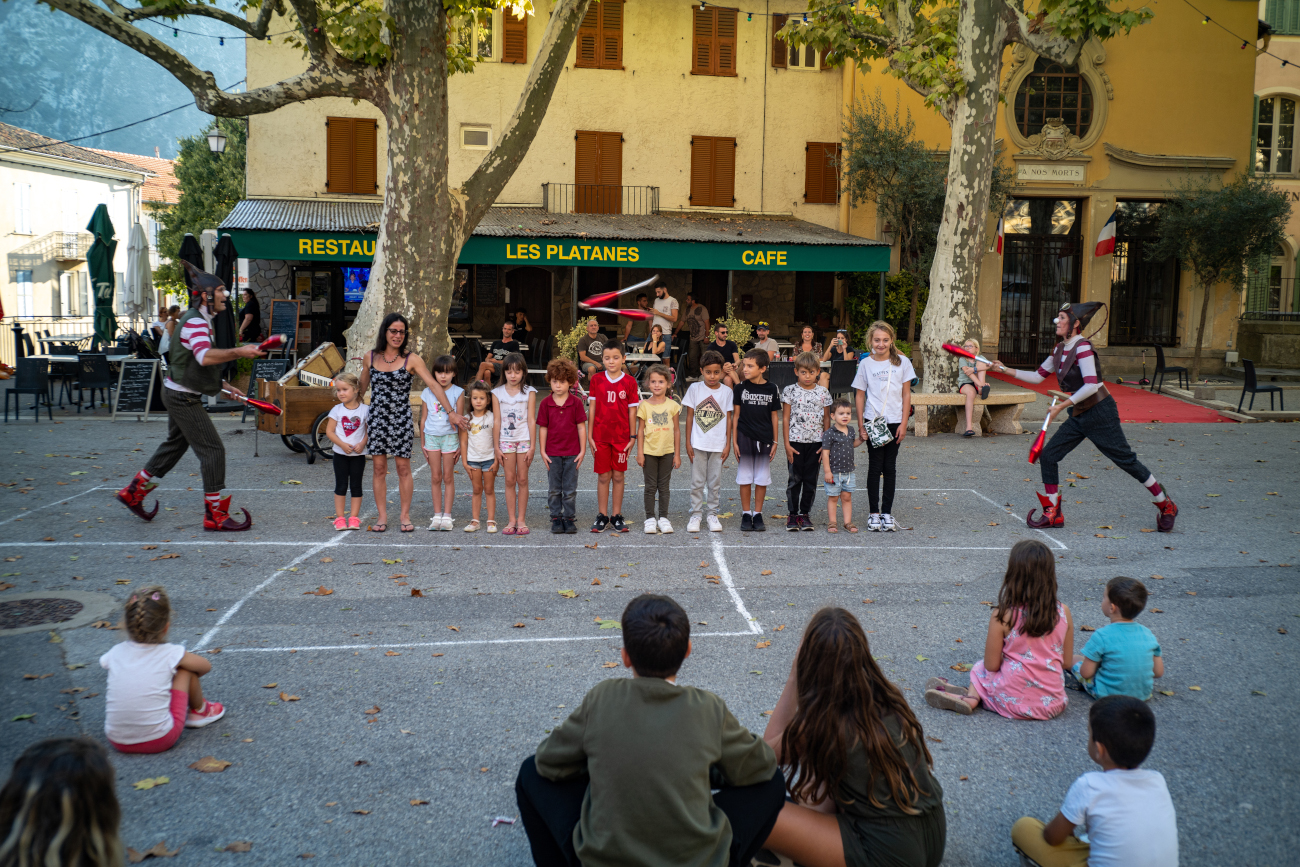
821	173
611	34
365	144
702	40
713	171
780	51
514	38
598	172
725	52
587	159
588	39
713	41
724	172
338	154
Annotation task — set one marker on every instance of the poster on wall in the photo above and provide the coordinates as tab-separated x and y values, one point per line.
320	291
460	298
302	286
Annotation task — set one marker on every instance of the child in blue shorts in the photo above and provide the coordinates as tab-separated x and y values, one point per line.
838	443
1123	657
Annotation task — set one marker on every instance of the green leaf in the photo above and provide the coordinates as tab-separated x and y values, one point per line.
568	594
150	782
920	658
23	716
610	624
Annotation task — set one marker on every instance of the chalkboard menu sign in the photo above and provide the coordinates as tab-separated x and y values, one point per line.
270	369
485	285
135	387
284	319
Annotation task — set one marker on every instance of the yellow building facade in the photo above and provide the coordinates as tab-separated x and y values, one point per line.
1134	118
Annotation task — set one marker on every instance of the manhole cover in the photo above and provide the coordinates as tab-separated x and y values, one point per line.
37	612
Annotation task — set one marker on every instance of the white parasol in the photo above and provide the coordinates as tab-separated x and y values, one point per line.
139	276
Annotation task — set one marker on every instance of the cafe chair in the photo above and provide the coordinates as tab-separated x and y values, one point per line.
842	373
94	376
32	377
1253	387
1163	369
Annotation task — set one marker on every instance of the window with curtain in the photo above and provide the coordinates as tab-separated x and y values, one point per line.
1275	139
1053	91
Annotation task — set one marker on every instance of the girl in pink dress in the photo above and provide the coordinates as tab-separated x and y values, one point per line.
1030	637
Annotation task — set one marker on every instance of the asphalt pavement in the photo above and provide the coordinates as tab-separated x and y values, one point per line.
350	706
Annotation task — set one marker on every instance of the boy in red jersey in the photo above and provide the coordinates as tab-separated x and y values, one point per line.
614	398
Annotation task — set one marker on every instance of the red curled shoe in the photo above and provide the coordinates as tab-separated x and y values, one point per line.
1168	511
218	518
132	496
1052	516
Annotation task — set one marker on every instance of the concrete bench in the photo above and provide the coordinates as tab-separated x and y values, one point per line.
999	413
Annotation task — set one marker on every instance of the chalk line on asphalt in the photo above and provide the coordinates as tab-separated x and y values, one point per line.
720	555
51	505
539	640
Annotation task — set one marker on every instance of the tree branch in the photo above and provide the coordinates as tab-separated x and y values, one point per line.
256	29
334	76
1029	32
318	44
495	171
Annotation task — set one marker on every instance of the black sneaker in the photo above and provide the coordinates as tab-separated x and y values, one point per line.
570	528
601	523
984	393
617	523
792	524
759	526
806	524
557	526
746	522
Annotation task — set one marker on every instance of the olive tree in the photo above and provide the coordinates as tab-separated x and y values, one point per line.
951	53
396	55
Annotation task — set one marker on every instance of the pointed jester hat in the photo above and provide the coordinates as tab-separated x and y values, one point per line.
203	282
1080	314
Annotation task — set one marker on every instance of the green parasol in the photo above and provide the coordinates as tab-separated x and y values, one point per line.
100	259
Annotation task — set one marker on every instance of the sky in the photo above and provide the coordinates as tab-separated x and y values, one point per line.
64	79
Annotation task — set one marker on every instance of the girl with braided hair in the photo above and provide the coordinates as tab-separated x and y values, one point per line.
58	807
153	688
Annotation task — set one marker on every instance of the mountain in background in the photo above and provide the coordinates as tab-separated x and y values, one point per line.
84	82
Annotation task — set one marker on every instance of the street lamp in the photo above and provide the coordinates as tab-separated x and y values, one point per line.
217	141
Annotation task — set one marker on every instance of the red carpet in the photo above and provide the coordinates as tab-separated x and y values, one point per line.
1138	404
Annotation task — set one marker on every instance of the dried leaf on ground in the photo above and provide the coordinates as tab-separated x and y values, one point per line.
454	628
159	850
591	546
1166	692
36	676
162	557
126	580
5	585
212	764
270	685
150	782
284	696
291	482
610	624
372	710
568	594
781	627
237	846
362	812
763	644
416	802
319	591
610	665
704	563
920	658
1157	611
1194	688
391	653
327	559
1086	629
406	731
518	626
148	547
1258	692
868	601
766	572
415	591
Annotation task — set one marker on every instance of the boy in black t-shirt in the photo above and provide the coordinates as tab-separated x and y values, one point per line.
754	431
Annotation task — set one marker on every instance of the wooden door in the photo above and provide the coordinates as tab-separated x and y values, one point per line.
598	172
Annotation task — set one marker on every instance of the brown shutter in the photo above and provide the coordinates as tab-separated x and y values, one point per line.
338	154
588	39
701	171
611	34
780	51
831	181
586	163
725	51
365	136
702	39
812	173
724	172
610	197
821	173
514	38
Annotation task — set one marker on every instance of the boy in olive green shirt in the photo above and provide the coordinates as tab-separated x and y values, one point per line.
625	780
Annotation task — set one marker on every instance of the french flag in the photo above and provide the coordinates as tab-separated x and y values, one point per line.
1001	232
1106	240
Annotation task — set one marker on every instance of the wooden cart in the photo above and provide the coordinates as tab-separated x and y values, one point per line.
302	423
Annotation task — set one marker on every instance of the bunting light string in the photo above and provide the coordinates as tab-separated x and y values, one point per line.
1245	43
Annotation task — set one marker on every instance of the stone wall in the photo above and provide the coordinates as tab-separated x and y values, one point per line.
773	300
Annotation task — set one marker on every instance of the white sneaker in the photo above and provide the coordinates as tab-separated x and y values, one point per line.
715	526
435	523
693	525
873	523
651	527
887	523
447	523
664	526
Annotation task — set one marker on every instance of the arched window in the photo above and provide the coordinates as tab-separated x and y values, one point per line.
1052	91
1276	138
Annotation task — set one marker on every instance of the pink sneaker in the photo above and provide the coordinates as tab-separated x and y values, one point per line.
211	712
340	523
354	523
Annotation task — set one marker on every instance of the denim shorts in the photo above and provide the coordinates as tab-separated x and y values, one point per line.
844	483
446	443
482	465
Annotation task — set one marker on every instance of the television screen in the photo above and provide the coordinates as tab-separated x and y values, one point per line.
354	284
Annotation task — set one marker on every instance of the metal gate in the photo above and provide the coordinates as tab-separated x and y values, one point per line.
1039	274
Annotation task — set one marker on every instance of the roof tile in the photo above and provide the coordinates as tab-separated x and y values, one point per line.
22	139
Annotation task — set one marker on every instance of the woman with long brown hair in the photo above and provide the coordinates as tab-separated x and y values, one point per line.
855	759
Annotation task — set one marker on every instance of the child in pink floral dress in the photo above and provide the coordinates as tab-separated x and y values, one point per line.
1030	636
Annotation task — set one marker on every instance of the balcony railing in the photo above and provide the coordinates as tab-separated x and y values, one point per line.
46	332
599	199
60	246
1267	297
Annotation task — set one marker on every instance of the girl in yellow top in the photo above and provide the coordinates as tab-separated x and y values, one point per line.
658	445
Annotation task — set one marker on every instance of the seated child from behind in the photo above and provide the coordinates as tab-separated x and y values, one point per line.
626	778
1126	811
1122	657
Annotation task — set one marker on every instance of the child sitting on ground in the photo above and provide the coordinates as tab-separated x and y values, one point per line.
346	429
59	807
1126	811
626	779
658	445
441	440
153	688
1123	657
561	435
479	448
972	383
838	443
805	416
1030	636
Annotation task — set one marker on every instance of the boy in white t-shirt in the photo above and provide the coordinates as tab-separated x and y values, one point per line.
1126	812
708	405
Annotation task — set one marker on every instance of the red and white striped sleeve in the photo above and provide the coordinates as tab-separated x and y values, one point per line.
196	336
1046	369
1086	358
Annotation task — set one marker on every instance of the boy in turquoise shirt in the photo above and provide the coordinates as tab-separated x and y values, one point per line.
1123	657
627	778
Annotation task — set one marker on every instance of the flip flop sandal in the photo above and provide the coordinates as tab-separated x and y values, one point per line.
944	700
508	531
408	528
378	528
832	528
521	531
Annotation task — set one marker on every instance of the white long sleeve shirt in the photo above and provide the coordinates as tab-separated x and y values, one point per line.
1086	359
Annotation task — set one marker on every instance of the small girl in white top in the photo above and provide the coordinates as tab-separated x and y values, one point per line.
441	440
346	429
478	444
153	688
514	406
884	390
